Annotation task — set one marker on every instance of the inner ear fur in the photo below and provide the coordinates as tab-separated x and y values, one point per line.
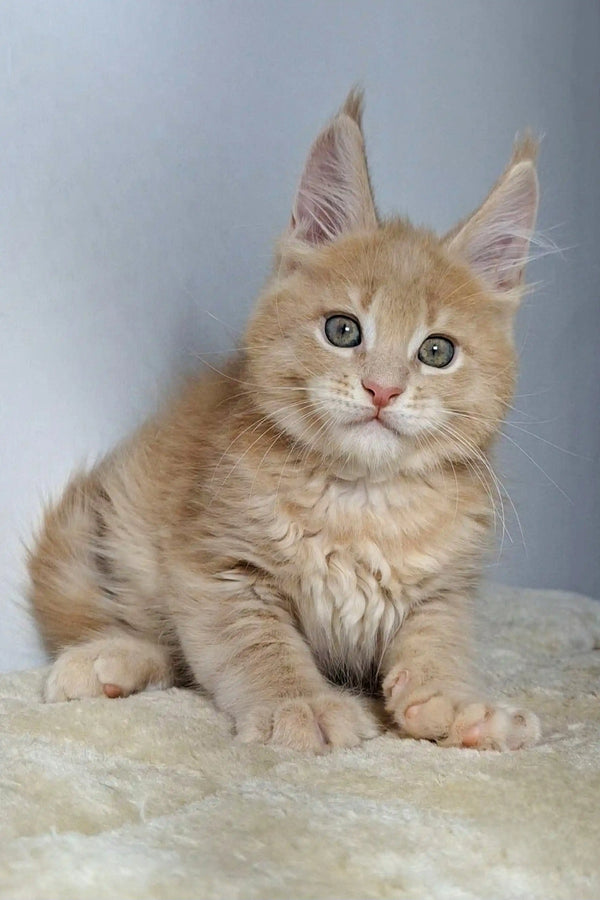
334	195
494	240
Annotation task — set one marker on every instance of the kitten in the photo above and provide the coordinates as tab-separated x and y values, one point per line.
316	513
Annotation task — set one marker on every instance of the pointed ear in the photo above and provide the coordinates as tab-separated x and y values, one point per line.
334	195
494	241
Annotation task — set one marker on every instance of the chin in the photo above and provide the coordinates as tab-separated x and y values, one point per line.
369	448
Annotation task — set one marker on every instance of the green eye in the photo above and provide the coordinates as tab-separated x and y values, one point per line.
436	351
342	331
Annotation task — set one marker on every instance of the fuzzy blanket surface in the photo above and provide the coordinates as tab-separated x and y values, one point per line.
150	797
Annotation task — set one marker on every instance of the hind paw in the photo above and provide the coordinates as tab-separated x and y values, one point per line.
112	666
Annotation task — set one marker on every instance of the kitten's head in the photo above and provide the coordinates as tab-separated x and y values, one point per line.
380	345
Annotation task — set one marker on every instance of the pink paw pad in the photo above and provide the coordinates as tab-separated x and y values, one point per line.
112	691
399	683
472	736
413	711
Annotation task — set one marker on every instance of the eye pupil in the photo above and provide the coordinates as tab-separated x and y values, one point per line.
437	352
342	331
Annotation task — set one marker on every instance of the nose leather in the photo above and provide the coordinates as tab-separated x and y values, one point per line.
381	394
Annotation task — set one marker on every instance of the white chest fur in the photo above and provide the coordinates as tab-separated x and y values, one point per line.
343	546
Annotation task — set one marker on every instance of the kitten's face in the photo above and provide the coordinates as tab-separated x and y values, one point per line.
382	347
381	353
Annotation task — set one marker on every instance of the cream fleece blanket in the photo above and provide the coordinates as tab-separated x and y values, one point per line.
150	797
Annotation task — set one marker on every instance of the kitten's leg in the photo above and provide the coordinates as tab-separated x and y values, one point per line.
115	664
430	692
260	670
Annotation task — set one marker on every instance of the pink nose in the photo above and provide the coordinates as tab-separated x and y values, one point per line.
380	395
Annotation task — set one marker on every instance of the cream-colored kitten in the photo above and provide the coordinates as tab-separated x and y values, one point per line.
317	512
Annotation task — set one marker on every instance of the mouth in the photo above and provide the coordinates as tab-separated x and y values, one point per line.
373	422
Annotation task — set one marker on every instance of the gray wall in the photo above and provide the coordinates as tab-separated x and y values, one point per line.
149	152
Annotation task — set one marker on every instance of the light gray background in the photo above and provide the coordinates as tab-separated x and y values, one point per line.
149	152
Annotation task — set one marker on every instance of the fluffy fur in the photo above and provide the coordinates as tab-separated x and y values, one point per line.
278	528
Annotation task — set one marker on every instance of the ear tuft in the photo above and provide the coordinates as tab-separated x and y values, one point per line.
354	105
334	195
525	148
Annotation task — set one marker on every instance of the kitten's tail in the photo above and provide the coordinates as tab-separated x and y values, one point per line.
65	591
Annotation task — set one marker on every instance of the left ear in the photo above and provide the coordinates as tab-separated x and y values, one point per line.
494	241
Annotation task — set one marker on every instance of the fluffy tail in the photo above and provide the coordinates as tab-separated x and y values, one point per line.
65	568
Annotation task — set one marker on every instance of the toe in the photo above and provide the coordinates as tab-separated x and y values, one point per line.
343	721
430	720
295	726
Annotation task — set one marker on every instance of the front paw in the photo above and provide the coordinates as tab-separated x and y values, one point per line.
309	724
453	718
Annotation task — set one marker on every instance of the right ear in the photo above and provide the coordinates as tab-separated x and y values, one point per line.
334	195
